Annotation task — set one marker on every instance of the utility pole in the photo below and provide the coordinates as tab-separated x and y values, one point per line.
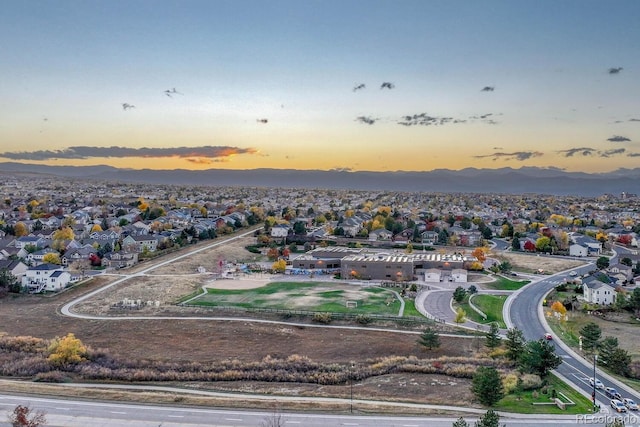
595	359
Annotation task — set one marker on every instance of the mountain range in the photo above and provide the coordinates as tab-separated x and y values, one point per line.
471	180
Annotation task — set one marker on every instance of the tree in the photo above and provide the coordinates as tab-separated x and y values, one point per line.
461	315
460	422
489	419
539	357
23	416
515	244
458	294
279	266
515	343
20	229
429	339
602	263
52	258
480	254
590	334
606	348
543	244
66	351
626	261
620	361
492	337
634	301
487	385
559	308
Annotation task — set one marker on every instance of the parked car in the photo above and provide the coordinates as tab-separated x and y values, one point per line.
548	336
618	406
630	404
612	393
573	274
598	383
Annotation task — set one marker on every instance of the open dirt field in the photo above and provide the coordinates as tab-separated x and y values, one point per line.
210	341
530	263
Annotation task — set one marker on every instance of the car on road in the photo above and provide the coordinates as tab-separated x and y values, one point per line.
573	274
630	404
548	336
597	381
612	393
618	406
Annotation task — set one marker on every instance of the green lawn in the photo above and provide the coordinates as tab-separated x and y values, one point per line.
308	296
491	305
504	284
523	402
410	309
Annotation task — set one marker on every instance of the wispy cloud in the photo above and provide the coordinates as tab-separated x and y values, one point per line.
613	152
516	155
423	119
85	152
634	120
615	70
359	87
633	155
585	151
488	89
618	138
366	120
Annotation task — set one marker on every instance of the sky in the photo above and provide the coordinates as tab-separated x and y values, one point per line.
321	84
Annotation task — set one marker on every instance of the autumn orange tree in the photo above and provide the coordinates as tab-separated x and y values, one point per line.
480	254
20	229
559	308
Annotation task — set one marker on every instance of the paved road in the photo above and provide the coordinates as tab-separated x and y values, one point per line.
524	311
65	413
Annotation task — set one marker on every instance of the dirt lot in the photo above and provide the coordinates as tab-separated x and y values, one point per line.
531	263
211	341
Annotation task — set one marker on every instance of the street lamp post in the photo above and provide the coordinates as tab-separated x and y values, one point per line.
595	359
351	387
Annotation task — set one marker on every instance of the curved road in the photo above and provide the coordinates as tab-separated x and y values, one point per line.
524	310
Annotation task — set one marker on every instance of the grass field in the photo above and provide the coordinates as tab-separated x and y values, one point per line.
491	305
523	402
308	296
504	284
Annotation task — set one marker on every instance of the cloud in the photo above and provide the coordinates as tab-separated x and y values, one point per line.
387	85
633	155
85	152
517	155
634	120
615	70
339	169
488	89
618	138
359	87
423	119
612	152
585	151
366	119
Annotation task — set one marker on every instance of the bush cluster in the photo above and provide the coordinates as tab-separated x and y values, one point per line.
27	357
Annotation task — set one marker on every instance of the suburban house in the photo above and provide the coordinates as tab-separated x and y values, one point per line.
597	292
139	243
578	250
280	231
380	234
14	266
45	277
22	242
119	259
81	254
622	273
592	246
37	256
429	238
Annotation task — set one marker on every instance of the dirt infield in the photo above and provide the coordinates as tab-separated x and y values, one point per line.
230	284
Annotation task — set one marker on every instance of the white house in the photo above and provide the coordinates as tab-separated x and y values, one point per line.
578	250
597	292
280	230
46	277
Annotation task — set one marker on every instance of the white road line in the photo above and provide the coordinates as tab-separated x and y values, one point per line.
175	416
118	412
292	422
233	419
63	409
